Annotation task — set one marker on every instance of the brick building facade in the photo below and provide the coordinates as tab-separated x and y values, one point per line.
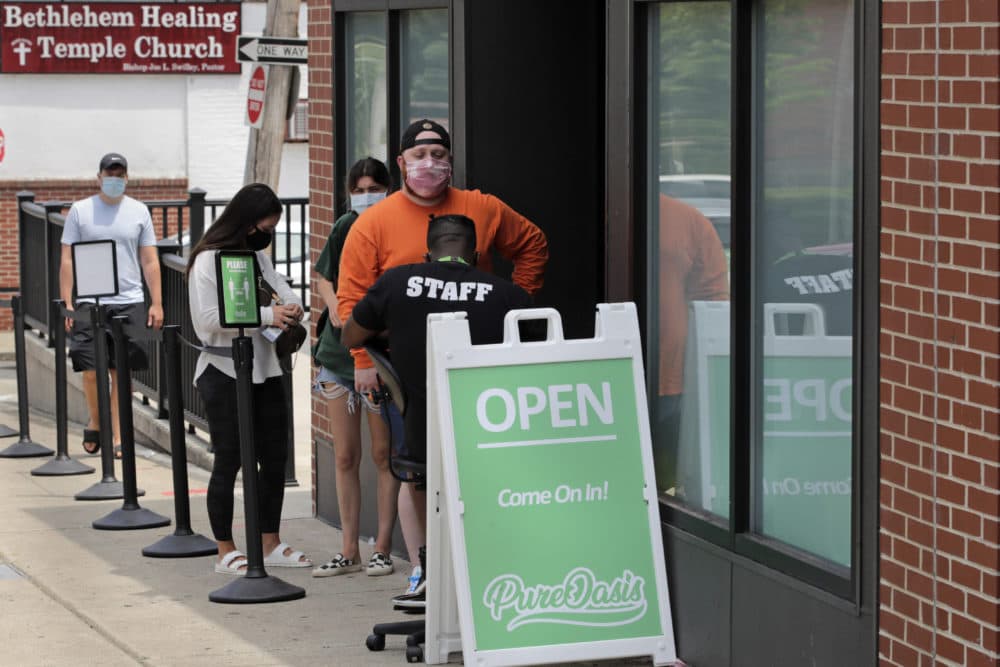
940	333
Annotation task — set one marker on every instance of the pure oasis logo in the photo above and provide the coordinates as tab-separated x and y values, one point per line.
580	599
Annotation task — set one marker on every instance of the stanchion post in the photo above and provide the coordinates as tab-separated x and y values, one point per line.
286	381
184	542
7	431
108	488
62	464
130	516
256	585
24	447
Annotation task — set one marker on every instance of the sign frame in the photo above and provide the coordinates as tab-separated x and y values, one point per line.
228	318
98	255
450	616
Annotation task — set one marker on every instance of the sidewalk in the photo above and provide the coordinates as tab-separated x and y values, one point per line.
72	595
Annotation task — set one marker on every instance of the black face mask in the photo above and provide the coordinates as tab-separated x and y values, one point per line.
259	240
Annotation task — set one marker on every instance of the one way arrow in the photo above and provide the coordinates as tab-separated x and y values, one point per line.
275	50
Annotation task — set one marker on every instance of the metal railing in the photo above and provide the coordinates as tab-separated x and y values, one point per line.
181	223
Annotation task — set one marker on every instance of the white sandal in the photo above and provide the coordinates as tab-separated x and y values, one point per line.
277	558
233	563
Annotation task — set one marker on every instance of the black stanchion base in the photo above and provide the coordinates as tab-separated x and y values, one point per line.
137	519
253	590
181	546
105	491
62	465
25	449
7	431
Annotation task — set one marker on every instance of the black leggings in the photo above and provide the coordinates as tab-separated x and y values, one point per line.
270	427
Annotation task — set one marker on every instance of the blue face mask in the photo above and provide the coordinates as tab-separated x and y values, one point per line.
113	186
360	202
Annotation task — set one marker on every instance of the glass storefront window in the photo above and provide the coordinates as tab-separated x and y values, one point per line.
803	231
424	66
688	246
365	35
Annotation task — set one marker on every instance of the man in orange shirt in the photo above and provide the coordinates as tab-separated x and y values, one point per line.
691	267
393	232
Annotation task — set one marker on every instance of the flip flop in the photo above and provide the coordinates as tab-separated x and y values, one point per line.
277	558
93	438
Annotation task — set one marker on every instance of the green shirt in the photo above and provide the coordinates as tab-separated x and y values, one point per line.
328	352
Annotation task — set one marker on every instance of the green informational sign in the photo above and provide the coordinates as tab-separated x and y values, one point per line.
236	272
543	497
549	453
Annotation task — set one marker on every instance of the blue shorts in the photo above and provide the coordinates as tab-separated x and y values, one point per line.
330	385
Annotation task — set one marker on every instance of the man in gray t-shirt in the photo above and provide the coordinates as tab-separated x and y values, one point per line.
110	215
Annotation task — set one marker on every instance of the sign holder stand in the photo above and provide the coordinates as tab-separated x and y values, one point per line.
238	309
614	603
92	279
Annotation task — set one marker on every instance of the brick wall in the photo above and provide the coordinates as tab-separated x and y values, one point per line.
66	191
321	190
940	338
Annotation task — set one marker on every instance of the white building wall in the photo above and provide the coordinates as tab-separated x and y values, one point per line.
57	126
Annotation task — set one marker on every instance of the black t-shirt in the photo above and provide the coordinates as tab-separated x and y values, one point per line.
825	280
400	301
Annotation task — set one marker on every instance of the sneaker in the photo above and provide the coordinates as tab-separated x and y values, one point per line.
411	600
416	576
337	565
379	565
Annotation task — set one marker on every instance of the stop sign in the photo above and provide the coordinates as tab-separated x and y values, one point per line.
255	96
2	149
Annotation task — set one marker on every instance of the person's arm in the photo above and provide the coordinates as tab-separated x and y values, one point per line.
66	280
327	274
358	262
523	243
325	289
355	335
203	297
711	279
150	260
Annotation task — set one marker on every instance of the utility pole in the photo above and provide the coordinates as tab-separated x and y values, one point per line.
265	144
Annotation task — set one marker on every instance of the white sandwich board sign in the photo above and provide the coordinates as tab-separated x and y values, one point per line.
544	539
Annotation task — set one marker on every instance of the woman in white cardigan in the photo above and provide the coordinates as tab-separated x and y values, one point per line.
247	224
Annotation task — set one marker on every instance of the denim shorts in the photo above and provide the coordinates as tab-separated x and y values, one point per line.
329	385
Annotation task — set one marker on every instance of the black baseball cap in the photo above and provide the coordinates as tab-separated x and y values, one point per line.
409	138
113	160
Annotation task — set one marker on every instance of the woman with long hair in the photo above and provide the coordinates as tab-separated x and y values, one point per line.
247	223
367	184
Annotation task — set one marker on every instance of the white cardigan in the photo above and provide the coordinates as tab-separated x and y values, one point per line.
203	296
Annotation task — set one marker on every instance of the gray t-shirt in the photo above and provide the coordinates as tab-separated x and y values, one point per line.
128	224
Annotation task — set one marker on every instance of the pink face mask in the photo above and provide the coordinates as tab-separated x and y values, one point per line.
428	177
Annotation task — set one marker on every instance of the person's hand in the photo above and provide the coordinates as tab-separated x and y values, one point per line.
286	316
335	318
298	312
365	380
154	318
69	323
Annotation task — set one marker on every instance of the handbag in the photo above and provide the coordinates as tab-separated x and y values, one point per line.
287	341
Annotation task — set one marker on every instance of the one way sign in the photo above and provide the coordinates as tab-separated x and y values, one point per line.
274	50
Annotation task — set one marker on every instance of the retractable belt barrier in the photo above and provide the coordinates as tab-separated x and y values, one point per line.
184	542
130	516
24	447
62	464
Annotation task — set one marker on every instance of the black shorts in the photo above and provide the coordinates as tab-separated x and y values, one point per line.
81	342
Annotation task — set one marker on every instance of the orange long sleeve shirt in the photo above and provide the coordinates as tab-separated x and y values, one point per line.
394	232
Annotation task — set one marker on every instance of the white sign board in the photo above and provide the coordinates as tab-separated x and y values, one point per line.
544	538
95	269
